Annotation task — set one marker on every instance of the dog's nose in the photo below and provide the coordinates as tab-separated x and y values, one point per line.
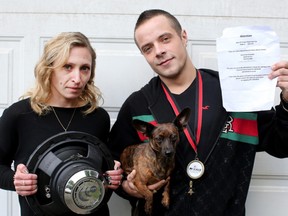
169	153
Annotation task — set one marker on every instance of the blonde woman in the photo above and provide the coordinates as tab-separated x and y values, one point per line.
64	99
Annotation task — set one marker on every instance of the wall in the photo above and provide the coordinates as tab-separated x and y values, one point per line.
120	70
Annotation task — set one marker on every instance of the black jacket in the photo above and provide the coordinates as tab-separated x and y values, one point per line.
228	144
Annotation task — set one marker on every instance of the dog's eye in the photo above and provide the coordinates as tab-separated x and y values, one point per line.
174	138
159	139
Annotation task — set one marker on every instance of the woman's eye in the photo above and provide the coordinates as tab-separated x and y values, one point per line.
85	68
67	67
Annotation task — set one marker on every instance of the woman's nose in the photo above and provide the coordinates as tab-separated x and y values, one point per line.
76	76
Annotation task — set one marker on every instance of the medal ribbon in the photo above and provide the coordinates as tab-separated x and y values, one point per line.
199	117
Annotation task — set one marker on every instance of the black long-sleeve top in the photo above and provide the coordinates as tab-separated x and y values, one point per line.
22	130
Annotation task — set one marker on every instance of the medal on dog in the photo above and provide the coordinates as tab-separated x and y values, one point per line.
195	169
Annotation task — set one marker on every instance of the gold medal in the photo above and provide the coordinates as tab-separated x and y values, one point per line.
195	169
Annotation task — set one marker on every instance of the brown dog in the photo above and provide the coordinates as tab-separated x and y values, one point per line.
154	161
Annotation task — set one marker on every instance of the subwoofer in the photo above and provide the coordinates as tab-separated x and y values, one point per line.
70	167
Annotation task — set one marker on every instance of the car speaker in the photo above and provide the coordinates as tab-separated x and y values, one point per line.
70	167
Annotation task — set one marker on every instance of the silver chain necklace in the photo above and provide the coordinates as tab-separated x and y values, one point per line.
65	129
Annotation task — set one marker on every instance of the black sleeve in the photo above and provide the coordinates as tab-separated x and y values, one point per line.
122	133
273	131
102	125
8	140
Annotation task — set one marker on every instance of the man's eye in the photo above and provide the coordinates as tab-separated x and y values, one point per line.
146	49
165	39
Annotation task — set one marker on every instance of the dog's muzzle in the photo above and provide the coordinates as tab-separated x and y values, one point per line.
70	169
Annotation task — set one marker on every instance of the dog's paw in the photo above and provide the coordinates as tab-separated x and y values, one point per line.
165	201
148	210
148	207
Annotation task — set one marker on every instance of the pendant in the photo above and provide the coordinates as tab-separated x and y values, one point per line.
195	169
190	191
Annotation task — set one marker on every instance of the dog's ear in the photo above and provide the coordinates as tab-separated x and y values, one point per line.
143	127
182	119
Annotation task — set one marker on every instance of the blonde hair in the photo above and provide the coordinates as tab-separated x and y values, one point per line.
58	49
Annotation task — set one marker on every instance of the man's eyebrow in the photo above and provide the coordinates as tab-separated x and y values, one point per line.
159	37
165	34
147	44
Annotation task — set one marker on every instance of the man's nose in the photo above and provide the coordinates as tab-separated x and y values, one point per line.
159	49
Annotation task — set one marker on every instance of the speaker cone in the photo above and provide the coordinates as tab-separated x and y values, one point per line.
70	168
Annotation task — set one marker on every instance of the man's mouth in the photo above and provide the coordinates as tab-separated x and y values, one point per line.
165	61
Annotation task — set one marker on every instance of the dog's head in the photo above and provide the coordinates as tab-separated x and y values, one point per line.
164	137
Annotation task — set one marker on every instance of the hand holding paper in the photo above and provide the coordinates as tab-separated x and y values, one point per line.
245	56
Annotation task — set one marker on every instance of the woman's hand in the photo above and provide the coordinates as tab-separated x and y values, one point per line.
24	182
115	176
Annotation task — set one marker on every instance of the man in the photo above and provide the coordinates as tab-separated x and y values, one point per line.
223	158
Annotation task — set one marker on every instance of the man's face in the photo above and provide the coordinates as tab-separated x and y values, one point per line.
163	48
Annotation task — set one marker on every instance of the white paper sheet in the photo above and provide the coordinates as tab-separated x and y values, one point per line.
245	56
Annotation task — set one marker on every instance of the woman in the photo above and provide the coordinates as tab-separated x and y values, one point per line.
64	99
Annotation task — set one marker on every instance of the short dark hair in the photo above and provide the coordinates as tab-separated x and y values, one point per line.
148	14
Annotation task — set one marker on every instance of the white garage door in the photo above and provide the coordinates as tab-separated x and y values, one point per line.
25	26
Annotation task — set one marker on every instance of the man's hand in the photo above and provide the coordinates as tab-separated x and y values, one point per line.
280	71
129	187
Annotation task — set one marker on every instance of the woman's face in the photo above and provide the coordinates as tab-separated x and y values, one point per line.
68	81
